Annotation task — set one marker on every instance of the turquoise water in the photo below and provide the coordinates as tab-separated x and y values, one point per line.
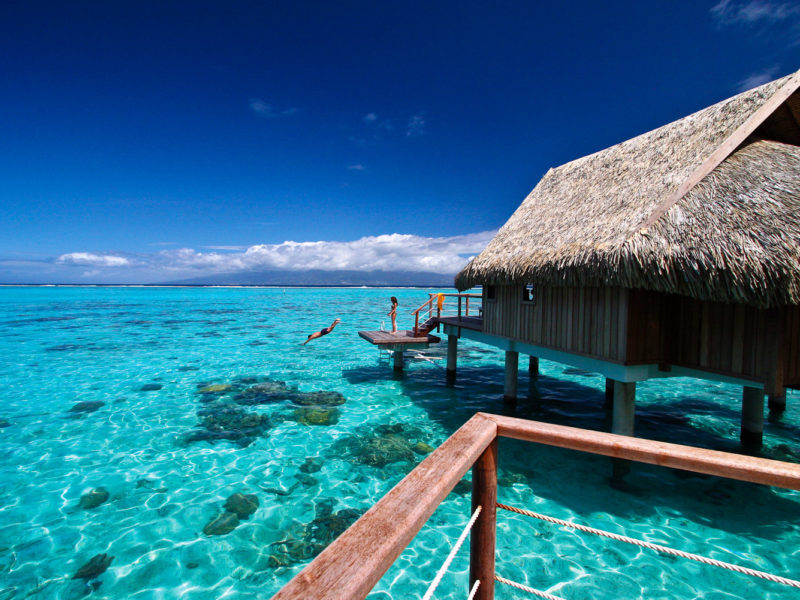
101	388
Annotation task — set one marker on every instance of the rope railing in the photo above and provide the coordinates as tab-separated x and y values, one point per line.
474	589
656	547
453	551
525	588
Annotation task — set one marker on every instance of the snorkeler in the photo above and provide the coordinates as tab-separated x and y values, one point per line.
322	332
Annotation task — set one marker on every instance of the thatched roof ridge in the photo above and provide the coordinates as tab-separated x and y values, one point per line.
732	236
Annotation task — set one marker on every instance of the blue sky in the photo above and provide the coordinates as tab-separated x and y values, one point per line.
154	141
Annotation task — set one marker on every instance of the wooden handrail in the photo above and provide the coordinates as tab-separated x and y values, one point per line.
353	564
429	306
688	458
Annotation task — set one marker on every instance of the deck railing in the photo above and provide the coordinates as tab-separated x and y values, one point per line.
355	562
447	305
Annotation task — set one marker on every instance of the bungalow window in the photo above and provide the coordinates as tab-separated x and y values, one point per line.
528	294
491	292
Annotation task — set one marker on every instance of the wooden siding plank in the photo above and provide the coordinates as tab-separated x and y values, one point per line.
569	317
606	301
622	323
737	344
705	326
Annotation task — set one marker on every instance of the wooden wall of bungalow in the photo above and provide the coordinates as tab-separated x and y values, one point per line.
629	326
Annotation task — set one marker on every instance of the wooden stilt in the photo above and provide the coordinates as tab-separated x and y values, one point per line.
398	360
452	354
624	407
777	402
752	433
609	404
533	366
512	370
482	537
622	422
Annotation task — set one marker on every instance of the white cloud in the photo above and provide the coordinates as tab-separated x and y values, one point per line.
370	117
749	12
392	252
416	125
756	79
358	167
268	111
93	260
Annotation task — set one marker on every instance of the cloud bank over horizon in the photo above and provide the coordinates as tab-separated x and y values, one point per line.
390	252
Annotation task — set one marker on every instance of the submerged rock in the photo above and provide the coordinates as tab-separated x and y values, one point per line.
96	566
243	505
232	418
422	448
150	387
319	398
317	415
186	368
382	450
312	465
264	393
222	524
309	540
94	498
383	445
4	423
86	406
217	388
229	422
306	480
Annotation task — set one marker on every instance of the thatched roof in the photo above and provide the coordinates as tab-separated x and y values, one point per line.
702	207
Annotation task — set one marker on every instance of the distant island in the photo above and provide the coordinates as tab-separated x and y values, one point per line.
324	278
309	278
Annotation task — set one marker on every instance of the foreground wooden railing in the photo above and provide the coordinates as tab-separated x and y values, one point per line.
350	567
438	305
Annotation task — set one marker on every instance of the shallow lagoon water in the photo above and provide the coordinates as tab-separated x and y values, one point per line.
145	354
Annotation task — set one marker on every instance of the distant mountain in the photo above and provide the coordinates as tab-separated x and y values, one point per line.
319	277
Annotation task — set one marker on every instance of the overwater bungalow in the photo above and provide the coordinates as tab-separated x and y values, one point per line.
673	253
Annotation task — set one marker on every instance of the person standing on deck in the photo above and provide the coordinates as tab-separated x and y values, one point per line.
322	332
393	314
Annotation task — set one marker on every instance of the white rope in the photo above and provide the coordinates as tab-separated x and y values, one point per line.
656	547
446	565
474	589
525	588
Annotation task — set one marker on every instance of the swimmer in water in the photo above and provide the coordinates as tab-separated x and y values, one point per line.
322	332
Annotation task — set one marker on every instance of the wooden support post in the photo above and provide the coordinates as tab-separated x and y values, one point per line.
512	369
622	423
452	355
777	402
533	367
609	404
482	537
624	407
774	363
398	361
752	433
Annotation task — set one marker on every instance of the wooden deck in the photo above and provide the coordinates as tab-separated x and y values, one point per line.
401	340
473	323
